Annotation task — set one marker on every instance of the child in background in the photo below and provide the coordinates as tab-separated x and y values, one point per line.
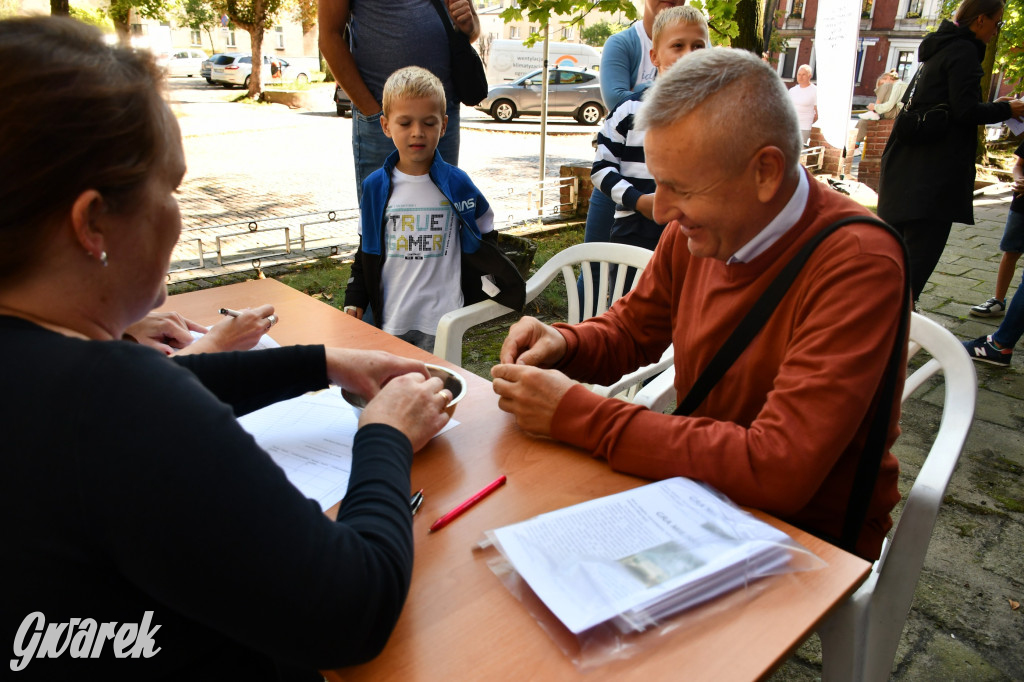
427	244
619	169
1011	245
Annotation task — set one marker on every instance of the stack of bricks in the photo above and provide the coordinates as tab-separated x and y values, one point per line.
834	164
586	187
870	167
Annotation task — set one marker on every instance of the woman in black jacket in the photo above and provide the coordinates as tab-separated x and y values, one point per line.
928	185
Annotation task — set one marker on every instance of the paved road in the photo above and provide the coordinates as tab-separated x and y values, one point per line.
266	160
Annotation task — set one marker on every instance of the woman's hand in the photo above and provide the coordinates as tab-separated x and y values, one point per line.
366	372
235	333
167	332
413	404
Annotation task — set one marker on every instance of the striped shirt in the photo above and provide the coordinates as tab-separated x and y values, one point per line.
620	170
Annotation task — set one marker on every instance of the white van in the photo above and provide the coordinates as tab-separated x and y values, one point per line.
508	60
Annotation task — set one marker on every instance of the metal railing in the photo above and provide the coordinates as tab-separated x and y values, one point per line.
259	242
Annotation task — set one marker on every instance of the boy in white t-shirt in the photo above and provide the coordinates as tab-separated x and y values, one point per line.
427	244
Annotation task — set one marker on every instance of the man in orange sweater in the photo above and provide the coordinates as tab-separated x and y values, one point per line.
783	429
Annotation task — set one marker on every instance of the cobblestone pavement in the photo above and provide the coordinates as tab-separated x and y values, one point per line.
268	161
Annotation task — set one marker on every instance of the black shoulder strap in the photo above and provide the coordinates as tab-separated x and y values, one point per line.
755	319
445	19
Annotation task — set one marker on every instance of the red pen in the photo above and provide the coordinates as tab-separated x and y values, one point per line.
455	513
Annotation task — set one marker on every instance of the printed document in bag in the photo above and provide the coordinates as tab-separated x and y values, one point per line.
640	555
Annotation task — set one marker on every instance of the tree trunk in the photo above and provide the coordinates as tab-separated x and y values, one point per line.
750	22
987	64
60	8
256	39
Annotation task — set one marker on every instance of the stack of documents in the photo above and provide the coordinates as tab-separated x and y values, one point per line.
639	556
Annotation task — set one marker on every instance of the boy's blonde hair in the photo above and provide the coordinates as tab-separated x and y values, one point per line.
681	14
412	82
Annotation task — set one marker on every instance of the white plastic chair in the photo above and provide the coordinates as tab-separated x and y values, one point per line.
453	326
859	640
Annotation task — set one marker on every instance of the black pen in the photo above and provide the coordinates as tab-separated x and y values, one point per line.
416	501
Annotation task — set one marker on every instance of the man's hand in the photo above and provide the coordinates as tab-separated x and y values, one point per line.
167	332
413	404
530	394
531	342
464	17
366	372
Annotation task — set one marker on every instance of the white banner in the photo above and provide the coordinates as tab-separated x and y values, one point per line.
835	45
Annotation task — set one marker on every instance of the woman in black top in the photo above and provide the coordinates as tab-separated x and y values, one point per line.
927	186
145	534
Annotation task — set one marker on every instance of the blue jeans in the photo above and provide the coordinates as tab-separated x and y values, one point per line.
600	216
370	146
1012	326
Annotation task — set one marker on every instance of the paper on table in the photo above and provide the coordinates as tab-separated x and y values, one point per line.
310	437
264	342
641	554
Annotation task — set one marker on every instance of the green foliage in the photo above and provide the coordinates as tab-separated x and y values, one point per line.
540	11
597	34
197	15
93	17
722	24
149	9
1010	46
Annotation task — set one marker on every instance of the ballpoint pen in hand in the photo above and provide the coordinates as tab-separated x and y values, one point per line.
454	513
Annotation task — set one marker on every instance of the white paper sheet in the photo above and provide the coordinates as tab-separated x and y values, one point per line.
641	554
311	437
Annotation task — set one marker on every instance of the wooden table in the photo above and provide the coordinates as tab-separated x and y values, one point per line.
460	623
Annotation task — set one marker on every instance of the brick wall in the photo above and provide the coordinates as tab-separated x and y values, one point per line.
833	163
871	152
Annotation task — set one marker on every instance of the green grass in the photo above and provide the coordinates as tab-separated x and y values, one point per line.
326	279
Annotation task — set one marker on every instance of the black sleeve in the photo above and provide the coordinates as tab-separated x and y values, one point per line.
356	293
188	508
249	380
964	78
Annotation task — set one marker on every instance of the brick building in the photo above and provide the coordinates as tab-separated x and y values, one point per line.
890	33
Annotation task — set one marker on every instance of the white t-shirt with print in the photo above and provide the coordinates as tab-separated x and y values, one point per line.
421	280
647	71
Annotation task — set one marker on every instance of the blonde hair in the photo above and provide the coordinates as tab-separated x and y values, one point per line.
412	82
680	14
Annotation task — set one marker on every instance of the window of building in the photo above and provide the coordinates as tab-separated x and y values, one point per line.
567	33
533	30
231	38
196	38
513	31
862	50
914	9
279	37
787	61
138	30
905	62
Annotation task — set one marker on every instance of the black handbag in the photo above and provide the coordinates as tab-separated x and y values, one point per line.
920	127
467	70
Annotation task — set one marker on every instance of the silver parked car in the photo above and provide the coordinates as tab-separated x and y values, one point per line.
185	62
572	92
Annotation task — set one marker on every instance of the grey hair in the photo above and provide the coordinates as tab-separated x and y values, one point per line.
805	67
742	101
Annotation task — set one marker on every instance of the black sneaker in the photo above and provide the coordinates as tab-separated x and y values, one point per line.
993	307
983	350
